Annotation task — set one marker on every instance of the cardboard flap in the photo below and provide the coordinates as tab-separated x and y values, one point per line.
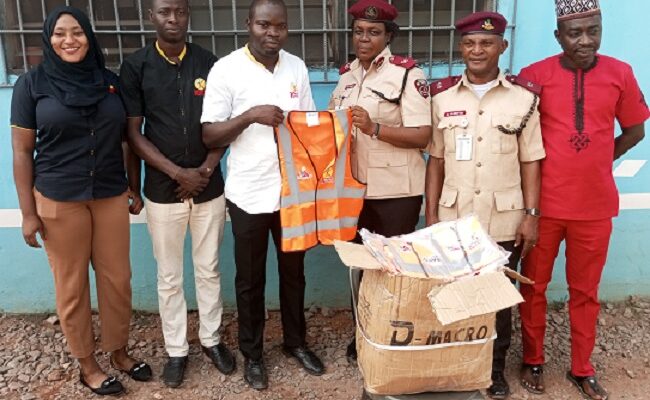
356	255
479	295
517	276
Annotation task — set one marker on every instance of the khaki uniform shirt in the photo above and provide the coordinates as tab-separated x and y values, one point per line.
489	184
388	171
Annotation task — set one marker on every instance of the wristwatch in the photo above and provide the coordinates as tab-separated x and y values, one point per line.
533	211
375	134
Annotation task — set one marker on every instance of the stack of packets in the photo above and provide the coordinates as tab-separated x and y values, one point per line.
447	251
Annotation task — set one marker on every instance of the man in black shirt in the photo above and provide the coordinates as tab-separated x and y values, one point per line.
163	86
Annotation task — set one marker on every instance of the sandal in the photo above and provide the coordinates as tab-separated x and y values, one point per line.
111	386
588	386
140	371
532	378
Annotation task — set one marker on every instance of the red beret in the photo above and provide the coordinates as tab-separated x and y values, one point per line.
482	22
373	10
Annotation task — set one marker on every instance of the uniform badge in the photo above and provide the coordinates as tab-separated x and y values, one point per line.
443	84
293	92
487	25
404	62
525	83
455	113
379	62
199	87
422	87
112	89
371	13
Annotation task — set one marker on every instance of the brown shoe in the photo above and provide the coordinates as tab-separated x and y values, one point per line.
532	378
588	386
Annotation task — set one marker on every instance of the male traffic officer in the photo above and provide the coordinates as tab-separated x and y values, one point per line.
583	93
247	92
485	155
163	84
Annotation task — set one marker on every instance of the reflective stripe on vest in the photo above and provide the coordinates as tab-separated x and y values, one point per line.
321	201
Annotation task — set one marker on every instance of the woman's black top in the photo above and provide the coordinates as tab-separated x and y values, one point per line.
78	149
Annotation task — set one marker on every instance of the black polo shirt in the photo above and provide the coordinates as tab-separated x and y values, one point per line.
78	153
170	98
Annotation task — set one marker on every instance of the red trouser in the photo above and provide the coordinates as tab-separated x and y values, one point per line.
586	253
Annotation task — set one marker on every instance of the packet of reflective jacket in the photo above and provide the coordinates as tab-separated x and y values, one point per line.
376	245
446	251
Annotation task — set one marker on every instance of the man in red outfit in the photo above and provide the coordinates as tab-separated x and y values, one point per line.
583	93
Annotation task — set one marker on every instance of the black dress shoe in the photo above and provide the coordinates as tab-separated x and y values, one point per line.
221	357
500	388
110	386
140	371
174	371
310	362
255	374
351	352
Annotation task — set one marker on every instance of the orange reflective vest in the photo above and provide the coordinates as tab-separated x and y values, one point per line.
320	201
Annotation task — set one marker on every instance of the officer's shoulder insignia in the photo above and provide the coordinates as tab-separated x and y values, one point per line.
422	86
344	68
441	85
525	83
404	62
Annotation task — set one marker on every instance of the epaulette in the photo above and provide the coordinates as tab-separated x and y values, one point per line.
404	62
441	85
525	83
344	68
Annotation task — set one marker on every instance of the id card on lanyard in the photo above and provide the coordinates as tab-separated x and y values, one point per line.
464	147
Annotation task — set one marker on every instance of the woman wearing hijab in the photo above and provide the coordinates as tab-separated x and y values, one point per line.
67	125
388	97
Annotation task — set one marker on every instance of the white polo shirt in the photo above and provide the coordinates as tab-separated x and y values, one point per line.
235	84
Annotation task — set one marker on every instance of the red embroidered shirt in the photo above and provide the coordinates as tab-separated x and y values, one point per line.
578	109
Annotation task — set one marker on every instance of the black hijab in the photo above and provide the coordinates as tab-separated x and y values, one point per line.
79	84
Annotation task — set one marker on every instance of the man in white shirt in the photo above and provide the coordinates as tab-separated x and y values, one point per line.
247	92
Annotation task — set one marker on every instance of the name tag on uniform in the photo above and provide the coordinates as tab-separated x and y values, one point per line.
464	148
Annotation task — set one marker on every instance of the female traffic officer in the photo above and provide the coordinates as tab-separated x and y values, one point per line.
67	125
389	99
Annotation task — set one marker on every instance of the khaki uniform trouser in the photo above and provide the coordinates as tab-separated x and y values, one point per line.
78	233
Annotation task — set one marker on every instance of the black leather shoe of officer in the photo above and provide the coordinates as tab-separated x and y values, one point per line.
221	357
255	374
500	388
174	371
310	361
351	352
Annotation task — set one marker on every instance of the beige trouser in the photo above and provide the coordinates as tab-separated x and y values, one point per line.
79	232
167	225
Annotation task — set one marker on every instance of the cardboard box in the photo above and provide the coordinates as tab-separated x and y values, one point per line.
418	335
